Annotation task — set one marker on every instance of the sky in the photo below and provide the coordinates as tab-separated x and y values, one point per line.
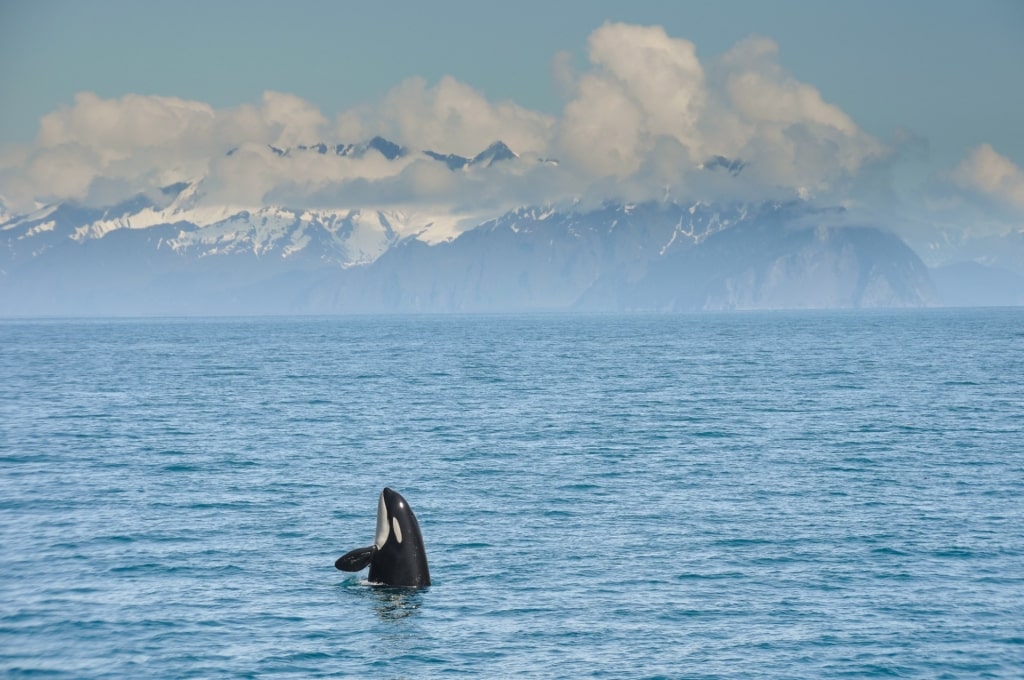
868	103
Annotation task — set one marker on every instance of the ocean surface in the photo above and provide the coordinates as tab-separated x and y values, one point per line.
777	495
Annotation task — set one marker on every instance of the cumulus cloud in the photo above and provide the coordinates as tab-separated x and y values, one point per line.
649	109
987	172
134	136
115	129
140	142
640	119
642	85
782	127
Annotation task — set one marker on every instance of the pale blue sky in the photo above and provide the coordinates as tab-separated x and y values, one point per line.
947	71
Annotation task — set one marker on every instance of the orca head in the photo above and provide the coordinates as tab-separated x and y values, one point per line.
395	521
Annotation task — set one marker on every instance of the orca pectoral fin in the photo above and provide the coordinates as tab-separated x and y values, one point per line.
356	559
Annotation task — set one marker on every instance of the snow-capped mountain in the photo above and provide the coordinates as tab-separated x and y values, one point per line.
650	256
349	236
344	238
175	251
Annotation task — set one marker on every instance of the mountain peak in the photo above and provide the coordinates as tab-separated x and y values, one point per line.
453	161
386	147
493	154
497	151
731	165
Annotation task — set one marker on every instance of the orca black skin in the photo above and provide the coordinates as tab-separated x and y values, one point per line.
397	557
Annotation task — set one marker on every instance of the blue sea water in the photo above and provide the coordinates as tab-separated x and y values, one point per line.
780	495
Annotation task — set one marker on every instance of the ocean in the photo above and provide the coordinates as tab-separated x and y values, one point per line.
736	495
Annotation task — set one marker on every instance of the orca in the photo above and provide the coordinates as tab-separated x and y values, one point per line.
397	557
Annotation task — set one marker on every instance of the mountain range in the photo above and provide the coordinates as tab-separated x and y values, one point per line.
173	251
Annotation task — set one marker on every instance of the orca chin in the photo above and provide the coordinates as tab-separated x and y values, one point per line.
397	557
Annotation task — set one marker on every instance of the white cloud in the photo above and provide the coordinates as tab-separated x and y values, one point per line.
760	90
141	141
294	120
138	142
643	85
116	128
782	127
992	174
639	119
648	110
602	129
135	138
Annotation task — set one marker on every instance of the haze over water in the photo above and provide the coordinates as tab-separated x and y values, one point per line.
776	495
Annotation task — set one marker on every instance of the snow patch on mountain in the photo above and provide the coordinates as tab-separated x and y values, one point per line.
39	229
